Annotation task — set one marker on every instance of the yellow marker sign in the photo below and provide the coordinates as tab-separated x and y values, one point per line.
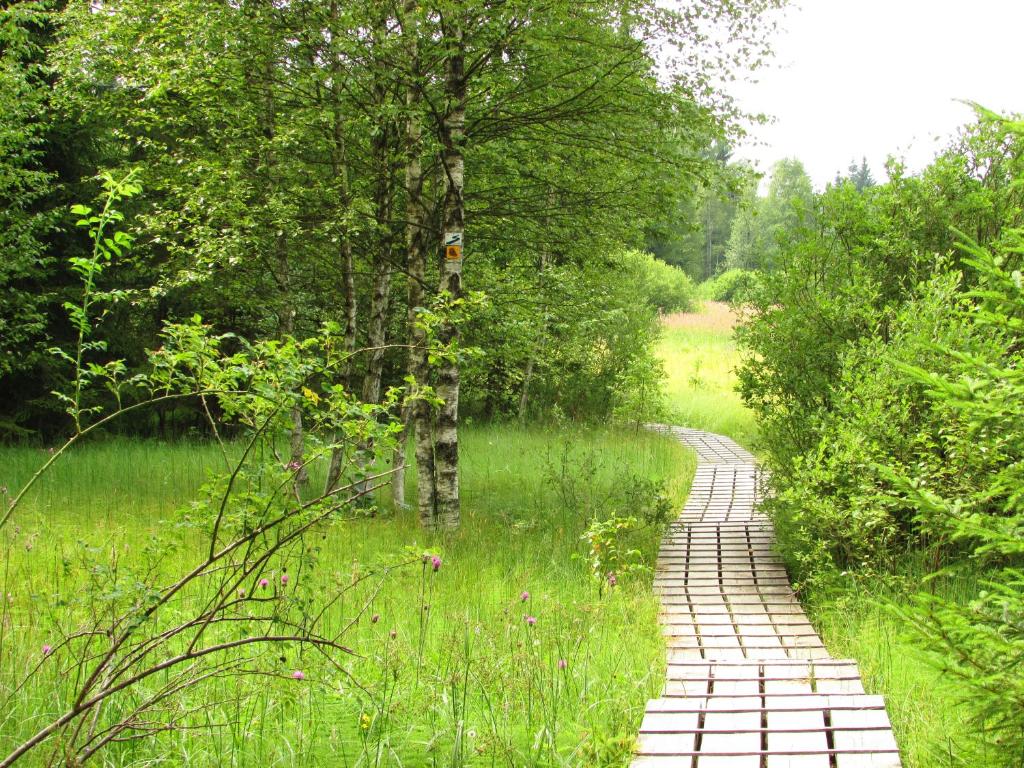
453	252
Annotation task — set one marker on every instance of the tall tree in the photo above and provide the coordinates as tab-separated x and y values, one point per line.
289	149
860	175
762	222
25	184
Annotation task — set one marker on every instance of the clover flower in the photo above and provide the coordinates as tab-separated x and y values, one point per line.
435	562
525	596
531	620
298	674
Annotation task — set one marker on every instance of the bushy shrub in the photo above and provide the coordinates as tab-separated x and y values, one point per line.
732	285
662	285
564	343
639	390
843	281
888	373
837	507
973	494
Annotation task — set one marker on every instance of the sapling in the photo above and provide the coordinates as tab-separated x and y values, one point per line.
149	634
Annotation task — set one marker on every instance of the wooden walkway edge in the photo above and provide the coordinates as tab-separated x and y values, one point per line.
749	683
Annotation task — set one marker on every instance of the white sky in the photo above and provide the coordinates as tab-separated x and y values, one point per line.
855	78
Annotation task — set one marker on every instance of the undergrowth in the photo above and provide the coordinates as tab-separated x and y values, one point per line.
508	652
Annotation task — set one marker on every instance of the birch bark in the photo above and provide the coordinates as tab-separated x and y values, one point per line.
416	269
446	439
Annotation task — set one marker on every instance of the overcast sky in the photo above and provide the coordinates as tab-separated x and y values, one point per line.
870	78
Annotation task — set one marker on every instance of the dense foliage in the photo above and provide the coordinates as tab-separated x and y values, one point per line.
306	230
729	286
274	144
884	362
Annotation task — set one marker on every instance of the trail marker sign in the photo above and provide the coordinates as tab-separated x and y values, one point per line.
453	246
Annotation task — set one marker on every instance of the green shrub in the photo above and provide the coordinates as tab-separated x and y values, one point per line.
663	286
572	343
844	280
974	496
732	285
888	377
837	507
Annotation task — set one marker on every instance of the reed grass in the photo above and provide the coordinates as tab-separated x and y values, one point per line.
450	674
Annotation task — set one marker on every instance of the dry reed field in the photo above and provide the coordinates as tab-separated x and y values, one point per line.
712	316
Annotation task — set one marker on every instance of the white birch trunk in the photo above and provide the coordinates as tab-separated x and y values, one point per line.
446	438
416	269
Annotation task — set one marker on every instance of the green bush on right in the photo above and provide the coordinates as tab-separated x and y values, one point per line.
884	357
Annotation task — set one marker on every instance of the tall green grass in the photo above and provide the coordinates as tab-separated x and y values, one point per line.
450	674
860	620
700	357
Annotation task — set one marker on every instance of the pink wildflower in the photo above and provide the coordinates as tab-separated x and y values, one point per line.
562	663
612	581
264	583
47	650
284	579
531	620
298	675
435	561
525	596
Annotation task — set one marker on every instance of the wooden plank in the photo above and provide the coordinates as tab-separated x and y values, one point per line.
864	718
657	761
843	685
742	654
797	761
737	732
866	760
880	740
728	761
683	685
807	735
665	743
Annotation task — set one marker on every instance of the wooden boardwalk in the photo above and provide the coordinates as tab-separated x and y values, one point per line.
750	684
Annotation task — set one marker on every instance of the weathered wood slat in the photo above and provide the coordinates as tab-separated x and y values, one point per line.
749	683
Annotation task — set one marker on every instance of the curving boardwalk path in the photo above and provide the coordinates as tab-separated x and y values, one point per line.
750	684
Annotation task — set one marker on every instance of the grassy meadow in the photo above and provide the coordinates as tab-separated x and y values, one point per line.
859	621
700	356
448	672
856	619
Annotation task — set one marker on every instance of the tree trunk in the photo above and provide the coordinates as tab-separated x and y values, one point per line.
398	463
416	269
339	169
283	277
297	441
380	299
382	271
531	361
446	441
525	391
